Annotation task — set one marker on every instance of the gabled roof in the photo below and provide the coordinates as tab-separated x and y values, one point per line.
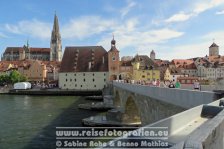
213	45
145	61
77	59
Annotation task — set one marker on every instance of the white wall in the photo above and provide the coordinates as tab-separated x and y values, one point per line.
83	80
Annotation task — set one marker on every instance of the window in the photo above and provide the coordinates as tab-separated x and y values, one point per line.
94	85
75	80
64	85
81	85
75	85
104	80
84	80
93	80
66	80
74	74
66	74
104	74
84	74
70	80
113	58
93	74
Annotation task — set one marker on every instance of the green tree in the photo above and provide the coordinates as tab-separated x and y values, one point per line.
4	79
15	77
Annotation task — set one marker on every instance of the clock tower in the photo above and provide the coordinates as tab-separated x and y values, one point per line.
113	61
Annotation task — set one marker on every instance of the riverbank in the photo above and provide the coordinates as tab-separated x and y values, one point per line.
54	92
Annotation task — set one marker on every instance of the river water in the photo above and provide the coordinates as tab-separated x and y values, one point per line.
29	122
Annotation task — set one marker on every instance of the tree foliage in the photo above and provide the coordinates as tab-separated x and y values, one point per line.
12	78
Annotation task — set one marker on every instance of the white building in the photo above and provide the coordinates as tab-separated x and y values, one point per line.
84	68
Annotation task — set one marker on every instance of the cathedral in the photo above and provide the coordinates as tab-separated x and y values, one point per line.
54	53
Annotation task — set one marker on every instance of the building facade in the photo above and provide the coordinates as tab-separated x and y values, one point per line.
214	50
34	70
84	68
144	69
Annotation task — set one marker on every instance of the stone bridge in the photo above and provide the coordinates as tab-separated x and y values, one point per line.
149	104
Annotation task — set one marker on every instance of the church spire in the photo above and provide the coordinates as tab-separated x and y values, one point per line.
56	26
56	47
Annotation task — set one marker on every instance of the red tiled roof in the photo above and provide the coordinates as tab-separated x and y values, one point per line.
184	63
76	59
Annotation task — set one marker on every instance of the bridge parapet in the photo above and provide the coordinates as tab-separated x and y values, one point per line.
179	97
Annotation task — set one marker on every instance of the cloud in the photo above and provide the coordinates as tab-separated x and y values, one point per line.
220	12
198	49
86	26
125	10
179	17
33	28
206	4
2	35
131	34
196	10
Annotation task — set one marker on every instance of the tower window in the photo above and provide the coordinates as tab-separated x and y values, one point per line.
113	58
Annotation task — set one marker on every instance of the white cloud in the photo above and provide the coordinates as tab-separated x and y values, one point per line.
33	28
138	37
198	49
179	17
3	35
206	4
198	8
220	12
86	26
125	10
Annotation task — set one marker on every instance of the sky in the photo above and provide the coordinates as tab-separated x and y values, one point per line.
174	29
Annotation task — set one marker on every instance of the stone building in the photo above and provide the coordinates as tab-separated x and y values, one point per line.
113	61
84	68
214	50
153	55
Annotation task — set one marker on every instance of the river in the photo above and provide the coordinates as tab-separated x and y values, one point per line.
29	122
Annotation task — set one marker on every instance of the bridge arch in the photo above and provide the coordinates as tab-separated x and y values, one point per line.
131	111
